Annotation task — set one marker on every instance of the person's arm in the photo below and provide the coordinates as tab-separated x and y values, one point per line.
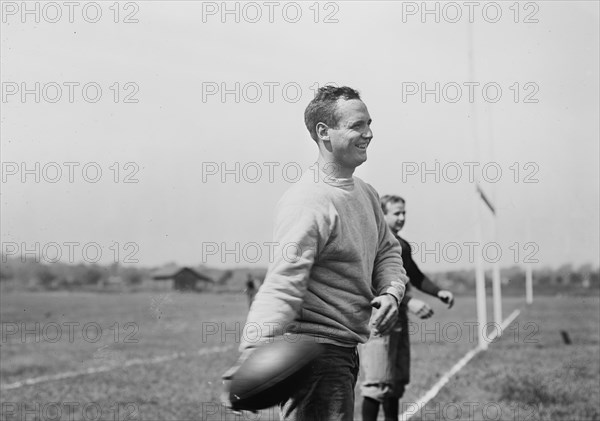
430	288
421	281
417	278
299	233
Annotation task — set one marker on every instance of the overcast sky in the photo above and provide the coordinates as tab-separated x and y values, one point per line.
533	116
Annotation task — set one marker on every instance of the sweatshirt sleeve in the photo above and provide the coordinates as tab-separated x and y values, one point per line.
299	233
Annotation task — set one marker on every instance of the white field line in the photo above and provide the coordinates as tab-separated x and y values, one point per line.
105	368
414	407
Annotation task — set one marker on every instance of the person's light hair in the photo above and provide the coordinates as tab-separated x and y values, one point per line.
389	198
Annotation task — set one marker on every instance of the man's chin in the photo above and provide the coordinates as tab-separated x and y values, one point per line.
361	161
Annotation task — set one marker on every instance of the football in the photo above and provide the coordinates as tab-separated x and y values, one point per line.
271	372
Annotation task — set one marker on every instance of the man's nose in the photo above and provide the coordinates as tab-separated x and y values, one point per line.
368	134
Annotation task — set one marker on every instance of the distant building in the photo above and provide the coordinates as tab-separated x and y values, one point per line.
184	278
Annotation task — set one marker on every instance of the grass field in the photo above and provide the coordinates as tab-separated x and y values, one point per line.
527	374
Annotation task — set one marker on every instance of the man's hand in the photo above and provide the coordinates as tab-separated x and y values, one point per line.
386	315
420	308
447	297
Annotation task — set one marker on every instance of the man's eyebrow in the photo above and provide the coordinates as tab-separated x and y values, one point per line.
354	122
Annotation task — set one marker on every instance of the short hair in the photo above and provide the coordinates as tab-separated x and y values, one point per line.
323	107
388	198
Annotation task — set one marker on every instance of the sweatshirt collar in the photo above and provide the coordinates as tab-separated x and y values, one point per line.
334	181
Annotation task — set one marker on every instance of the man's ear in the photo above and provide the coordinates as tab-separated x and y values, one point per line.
322	130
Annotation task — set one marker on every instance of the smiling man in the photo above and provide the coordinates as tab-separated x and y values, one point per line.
346	261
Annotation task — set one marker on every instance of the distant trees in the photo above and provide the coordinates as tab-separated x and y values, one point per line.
565	279
45	276
92	274
7	272
132	276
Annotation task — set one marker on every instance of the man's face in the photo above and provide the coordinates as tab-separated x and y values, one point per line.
395	216
349	141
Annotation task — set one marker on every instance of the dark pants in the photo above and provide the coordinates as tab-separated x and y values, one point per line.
327	393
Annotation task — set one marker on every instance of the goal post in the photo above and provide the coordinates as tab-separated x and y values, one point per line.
480	273
528	271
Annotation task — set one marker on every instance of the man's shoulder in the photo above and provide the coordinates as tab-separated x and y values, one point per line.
364	185
370	195
306	193
368	190
305	185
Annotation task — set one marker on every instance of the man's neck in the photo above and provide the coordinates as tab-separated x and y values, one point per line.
333	169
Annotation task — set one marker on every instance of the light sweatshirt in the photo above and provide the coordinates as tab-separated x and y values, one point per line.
333	254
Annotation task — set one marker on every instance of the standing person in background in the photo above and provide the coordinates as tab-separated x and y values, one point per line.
250	289
386	360
335	259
